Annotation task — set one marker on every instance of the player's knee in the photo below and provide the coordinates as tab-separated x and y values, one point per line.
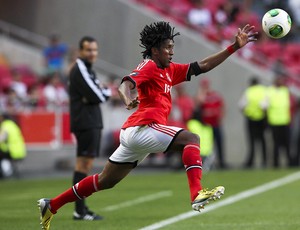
187	137
194	138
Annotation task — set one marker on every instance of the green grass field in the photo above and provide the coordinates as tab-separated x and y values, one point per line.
145	199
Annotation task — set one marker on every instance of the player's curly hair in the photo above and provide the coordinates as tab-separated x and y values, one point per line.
154	35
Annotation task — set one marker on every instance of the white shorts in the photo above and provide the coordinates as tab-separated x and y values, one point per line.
138	142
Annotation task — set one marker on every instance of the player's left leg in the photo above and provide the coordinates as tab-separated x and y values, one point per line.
111	175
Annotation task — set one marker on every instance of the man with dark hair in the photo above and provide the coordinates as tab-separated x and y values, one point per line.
86	94
145	131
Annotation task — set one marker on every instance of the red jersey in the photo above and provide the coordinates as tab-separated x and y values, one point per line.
154	91
212	109
186	105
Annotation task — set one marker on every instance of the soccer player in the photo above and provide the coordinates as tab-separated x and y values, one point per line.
148	87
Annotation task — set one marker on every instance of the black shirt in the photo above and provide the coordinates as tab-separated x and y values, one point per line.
85	97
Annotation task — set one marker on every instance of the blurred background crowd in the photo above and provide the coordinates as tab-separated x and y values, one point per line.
37	99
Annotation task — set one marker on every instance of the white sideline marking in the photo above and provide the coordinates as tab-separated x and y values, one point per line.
230	200
139	200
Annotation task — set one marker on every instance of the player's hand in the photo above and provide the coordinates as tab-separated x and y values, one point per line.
245	35
133	103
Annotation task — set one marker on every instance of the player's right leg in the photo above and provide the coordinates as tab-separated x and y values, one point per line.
189	144
45	214
205	196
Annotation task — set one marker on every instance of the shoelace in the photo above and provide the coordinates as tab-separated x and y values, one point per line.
205	191
88	217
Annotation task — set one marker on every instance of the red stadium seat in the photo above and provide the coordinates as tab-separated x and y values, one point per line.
213	5
291	54
5	77
28	76
268	52
179	10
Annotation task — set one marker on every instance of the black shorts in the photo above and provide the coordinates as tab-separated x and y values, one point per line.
88	142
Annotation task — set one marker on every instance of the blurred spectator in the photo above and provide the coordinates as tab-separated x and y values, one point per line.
278	105
12	146
55	94
10	102
252	104
211	106
226	13
18	85
199	16
296	159
295	132
55	54
207	139
184	103
35	99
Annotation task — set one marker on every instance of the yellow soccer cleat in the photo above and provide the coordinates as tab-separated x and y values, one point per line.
205	196
45	214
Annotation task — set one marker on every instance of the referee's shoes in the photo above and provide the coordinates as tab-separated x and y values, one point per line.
88	215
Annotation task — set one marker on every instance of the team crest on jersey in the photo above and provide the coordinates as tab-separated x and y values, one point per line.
167	76
134	74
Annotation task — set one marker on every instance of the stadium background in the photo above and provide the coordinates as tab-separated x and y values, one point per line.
116	25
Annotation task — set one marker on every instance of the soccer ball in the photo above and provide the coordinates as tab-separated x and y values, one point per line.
276	23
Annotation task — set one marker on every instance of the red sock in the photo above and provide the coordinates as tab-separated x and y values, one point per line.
82	189
193	166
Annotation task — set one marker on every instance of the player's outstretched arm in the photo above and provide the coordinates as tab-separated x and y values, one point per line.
128	95
242	37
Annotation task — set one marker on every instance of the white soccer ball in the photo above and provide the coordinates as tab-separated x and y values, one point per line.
276	23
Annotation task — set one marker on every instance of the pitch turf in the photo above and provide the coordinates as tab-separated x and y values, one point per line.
146	199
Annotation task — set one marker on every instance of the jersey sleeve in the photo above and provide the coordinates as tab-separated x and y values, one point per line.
180	73
140	75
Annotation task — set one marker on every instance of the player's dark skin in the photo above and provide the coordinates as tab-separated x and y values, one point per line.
162	56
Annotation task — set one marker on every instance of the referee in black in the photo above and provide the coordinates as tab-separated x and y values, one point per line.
86	94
